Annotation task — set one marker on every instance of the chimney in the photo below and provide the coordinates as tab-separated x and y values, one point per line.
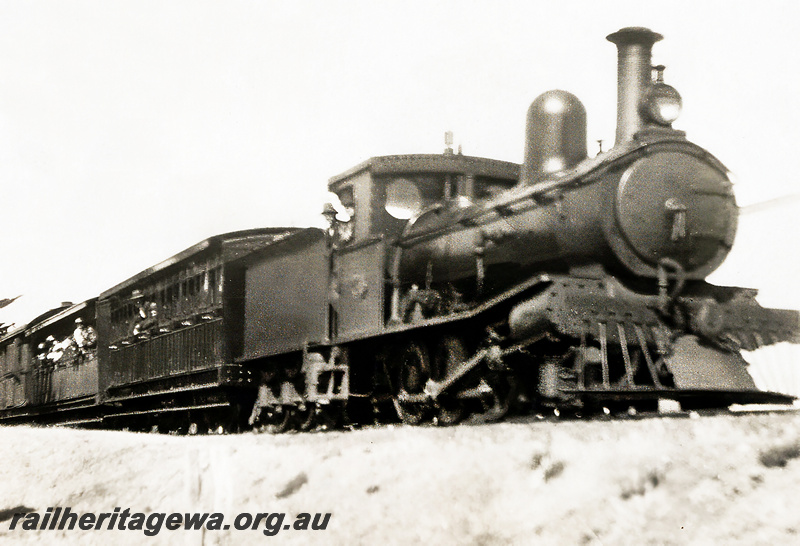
634	45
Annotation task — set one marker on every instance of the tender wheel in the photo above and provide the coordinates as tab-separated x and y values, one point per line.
305	419
331	417
276	419
412	366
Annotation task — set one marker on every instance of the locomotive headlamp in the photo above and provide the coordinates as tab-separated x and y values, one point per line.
662	104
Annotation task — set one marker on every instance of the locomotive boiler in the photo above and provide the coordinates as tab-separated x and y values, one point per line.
654	205
446	287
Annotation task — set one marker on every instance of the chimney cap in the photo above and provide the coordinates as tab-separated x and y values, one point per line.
634	35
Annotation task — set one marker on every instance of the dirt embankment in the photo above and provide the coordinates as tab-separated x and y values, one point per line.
707	480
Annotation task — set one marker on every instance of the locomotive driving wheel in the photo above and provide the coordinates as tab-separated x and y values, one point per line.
411	364
450	352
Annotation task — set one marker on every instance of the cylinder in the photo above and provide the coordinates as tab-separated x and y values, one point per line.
555	135
634	47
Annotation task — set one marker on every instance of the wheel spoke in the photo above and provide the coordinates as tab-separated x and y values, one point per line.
276	419
329	417
494	402
450	353
305	419
412	367
448	412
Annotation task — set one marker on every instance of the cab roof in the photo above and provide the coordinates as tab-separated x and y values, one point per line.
432	163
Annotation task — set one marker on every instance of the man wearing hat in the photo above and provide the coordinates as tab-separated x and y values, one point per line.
84	336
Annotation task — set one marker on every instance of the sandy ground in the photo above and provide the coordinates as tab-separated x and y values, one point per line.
727	479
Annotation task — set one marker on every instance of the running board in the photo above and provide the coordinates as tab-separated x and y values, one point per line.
700	397
111	416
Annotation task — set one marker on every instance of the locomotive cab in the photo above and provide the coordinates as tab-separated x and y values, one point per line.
386	192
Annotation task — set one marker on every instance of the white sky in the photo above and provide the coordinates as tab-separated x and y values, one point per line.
132	130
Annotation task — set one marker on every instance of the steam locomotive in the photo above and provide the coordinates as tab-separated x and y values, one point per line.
446	287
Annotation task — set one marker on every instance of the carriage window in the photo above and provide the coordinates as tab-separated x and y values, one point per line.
403	199
211	280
